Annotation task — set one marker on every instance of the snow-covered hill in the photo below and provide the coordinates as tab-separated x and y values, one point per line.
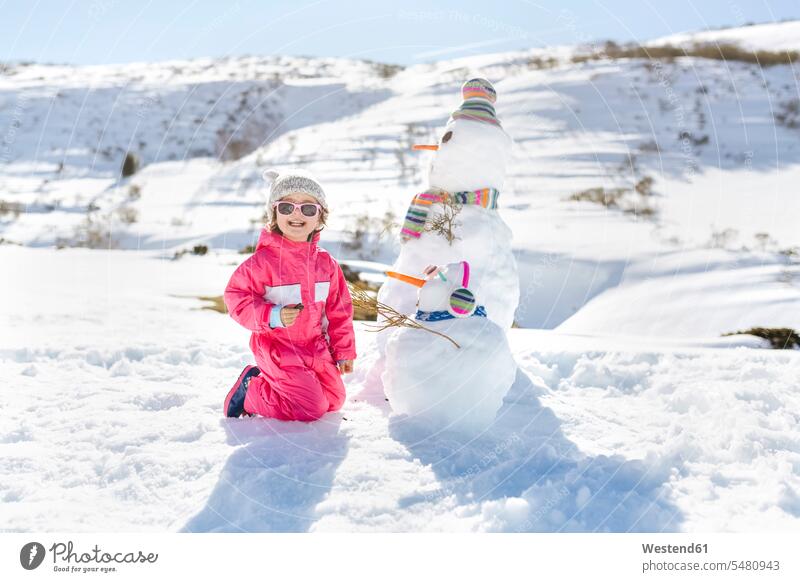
703	131
68	130
773	36
631	411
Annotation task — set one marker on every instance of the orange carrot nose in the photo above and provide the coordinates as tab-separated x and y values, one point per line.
416	281
419	146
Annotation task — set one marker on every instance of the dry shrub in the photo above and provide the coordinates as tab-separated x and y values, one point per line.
444	221
780	338
364	300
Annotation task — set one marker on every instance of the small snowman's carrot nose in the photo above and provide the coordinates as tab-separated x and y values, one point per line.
419	146
416	281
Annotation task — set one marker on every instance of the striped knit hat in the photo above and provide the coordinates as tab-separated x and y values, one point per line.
479	95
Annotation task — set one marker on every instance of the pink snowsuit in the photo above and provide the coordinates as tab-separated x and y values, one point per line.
299	379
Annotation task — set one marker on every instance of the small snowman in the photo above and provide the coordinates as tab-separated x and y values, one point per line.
426	376
466	176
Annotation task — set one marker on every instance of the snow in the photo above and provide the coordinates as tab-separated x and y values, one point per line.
113	382
629	411
773	36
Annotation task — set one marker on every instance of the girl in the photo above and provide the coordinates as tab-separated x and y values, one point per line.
293	296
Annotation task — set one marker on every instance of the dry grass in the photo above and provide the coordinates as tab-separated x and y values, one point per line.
385	70
644	186
198	250
366	232
537	62
216	303
713	51
788	114
128	214
14	208
92	233
606	197
633	200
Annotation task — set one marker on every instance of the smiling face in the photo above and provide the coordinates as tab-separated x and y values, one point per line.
297	226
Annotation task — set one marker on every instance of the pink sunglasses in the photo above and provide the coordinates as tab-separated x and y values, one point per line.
306	208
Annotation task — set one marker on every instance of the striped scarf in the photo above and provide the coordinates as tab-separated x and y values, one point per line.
440	315
417	213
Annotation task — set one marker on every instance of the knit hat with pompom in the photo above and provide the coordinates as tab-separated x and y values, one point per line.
289	182
479	97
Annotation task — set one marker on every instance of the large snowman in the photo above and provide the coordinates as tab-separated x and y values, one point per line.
466	177
427	377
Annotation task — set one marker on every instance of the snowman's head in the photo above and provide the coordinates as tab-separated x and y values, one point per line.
471	155
447	289
473	149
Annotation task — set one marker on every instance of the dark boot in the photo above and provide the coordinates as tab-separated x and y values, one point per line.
234	402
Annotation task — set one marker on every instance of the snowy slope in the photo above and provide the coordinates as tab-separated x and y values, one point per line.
704	131
695	294
774	36
69	128
630	411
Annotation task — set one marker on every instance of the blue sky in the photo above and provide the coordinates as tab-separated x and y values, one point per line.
404	31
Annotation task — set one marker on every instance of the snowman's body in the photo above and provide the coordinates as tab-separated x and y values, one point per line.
428	378
471	156
485	240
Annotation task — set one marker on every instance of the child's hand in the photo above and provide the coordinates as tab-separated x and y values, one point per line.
289	314
345	366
